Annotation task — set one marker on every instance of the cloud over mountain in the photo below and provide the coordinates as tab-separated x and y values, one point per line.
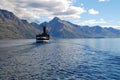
93	22
37	8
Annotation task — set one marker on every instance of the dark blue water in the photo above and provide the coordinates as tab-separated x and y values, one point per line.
60	59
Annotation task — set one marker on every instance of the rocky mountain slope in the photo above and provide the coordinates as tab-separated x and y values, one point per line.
13	27
64	29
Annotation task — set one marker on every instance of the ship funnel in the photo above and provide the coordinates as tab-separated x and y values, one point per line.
44	30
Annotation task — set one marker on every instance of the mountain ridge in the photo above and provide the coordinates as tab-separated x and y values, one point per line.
65	29
11	27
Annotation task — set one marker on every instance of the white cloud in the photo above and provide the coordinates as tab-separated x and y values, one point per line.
36	8
103	0
108	26
93	22
82	4
71	12
93	11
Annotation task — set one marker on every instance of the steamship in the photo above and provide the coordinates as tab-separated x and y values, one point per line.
43	37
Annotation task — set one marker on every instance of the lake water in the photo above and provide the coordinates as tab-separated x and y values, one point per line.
60	59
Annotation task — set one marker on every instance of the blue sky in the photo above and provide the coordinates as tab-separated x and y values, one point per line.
108	11
82	12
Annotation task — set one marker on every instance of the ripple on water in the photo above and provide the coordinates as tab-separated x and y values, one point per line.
60	60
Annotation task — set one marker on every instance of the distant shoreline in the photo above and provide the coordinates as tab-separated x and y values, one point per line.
60	38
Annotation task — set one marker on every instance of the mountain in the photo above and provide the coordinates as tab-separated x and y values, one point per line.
13	27
37	26
64	29
61	28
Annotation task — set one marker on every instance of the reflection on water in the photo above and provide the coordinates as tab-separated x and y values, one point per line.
64	59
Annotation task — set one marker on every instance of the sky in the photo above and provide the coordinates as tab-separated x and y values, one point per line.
104	13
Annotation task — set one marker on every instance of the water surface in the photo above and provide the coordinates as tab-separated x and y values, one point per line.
60	59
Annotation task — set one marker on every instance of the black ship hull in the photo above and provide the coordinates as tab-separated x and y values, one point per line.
42	39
